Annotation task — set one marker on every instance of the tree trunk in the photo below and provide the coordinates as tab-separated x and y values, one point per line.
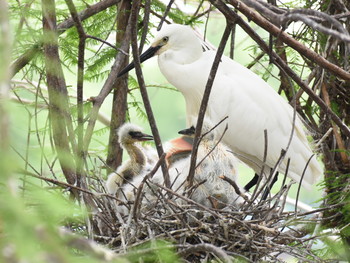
120	90
58	95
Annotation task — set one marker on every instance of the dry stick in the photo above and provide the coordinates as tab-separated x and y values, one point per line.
69	186
145	22
303	50
207	248
235	186
284	151
256	192
80	83
301	179
216	144
165	14
137	202
107	43
338	138
205	101
27	56
188	200
232	16
106	89
232	42
133	18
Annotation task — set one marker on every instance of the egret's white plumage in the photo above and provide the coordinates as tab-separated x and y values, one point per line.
249	102
129	137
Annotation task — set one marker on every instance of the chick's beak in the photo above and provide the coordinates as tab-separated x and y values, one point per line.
189	131
146	55
145	137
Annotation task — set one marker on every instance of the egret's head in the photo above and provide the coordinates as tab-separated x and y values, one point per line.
172	37
209	130
130	133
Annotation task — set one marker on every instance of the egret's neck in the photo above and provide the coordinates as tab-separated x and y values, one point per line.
137	157
180	57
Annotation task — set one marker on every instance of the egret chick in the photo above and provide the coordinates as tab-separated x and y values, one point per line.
129	137
214	160
178	148
251	105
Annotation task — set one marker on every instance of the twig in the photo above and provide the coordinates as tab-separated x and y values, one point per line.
235	186
145	22
137	203
28	55
106	89
144	94
206	248
205	101
165	14
230	15
257	18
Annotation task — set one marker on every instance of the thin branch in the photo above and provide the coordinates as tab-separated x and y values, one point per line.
106	89
165	14
205	101
147	104
145	22
268	26
207	248
28	55
232	16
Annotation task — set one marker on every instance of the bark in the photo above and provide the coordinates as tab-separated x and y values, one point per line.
120	91
58	95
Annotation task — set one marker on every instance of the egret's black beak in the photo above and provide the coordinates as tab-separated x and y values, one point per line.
140	136
146	55
189	131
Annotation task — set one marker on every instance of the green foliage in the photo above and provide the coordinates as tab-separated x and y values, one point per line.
157	251
29	226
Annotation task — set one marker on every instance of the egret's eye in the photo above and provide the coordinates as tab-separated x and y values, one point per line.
165	39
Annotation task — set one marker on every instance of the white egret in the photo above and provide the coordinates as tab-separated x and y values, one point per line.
129	137
249	102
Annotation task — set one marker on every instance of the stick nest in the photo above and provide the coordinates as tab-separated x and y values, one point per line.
256	231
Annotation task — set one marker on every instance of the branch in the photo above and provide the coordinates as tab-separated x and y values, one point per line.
134	13
28	55
205	101
58	95
219	252
290	41
106	89
120	93
232	16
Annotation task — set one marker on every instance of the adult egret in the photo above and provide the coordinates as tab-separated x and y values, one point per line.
251	105
129	137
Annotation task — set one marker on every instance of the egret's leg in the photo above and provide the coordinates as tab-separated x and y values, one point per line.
268	188
251	183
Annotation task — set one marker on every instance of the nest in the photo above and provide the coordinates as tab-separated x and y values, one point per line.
255	231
